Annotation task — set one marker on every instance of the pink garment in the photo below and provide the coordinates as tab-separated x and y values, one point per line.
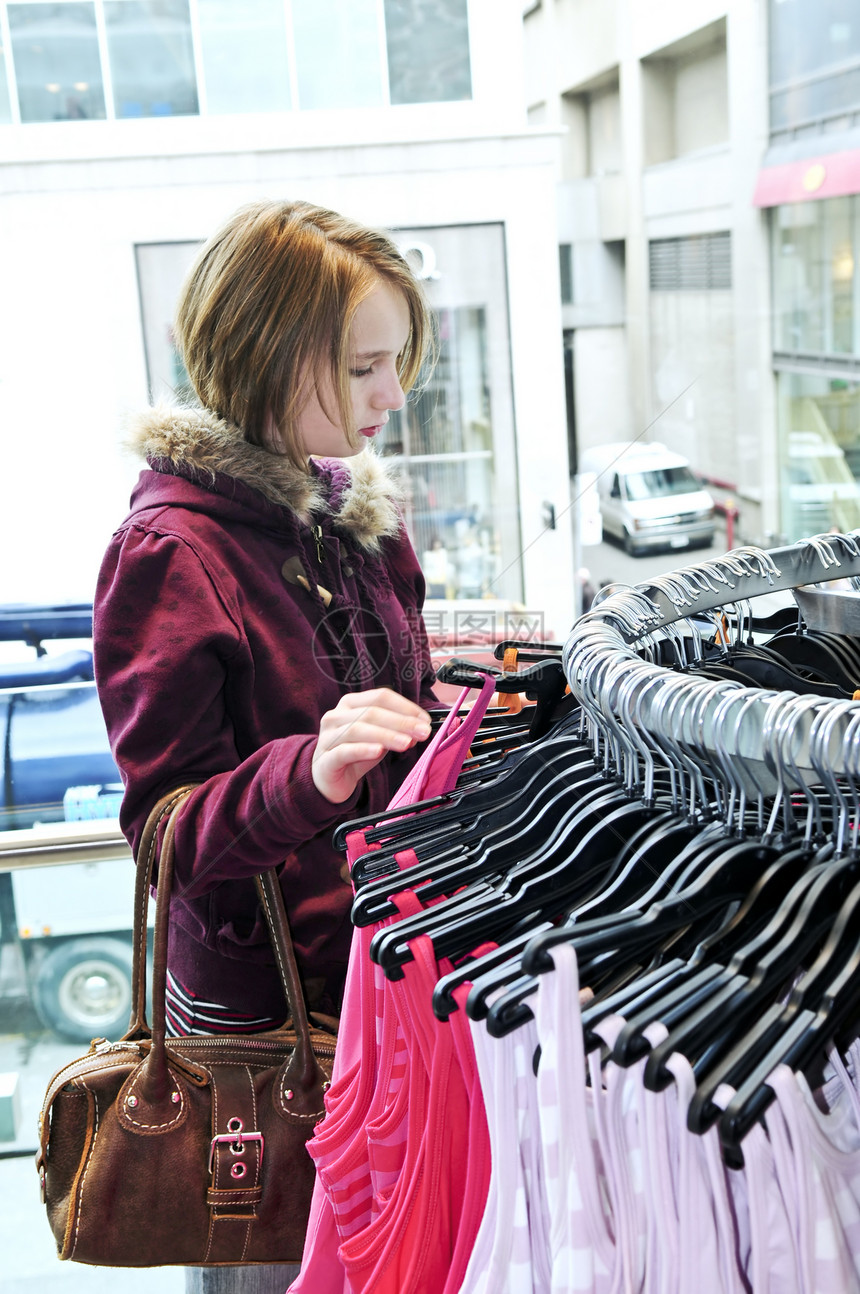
383	1086
501	1259
638	1185
439	767
708	1244
409	1247
479	1163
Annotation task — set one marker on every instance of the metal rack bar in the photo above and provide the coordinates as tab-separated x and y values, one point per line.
602	639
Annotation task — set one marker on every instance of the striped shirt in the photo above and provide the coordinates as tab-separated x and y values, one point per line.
189	1015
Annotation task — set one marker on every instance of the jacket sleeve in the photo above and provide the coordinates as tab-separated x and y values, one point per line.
165	640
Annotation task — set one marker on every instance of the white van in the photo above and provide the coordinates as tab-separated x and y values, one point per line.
649	497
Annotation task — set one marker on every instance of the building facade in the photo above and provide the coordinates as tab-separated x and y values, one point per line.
130	128
702	307
809	190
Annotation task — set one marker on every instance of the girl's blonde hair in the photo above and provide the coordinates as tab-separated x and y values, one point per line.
267	308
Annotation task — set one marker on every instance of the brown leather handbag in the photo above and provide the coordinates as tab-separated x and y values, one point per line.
158	1151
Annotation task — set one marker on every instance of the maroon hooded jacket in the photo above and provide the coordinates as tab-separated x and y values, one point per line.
236	603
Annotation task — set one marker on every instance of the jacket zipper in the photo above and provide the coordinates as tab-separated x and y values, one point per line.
317	532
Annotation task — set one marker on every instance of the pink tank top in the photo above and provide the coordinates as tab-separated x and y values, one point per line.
361	1147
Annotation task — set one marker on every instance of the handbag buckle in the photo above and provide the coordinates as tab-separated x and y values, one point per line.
235	1137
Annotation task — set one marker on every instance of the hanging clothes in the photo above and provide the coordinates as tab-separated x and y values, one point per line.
606	984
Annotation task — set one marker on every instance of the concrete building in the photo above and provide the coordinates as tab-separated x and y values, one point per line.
683	295
129	130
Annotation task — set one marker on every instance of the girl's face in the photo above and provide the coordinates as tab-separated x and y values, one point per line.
380	332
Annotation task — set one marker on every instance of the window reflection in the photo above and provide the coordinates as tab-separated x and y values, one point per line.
814	61
819	431
452	436
56	57
809	35
57	765
816	245
257	56
151	58
428	50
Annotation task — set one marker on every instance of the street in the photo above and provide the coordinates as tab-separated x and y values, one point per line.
608	561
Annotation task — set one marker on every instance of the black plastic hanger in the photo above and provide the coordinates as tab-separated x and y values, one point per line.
691	979
511	777
466	846
820	657
746	993
546	882
833	1005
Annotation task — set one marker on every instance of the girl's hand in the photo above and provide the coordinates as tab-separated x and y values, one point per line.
357	734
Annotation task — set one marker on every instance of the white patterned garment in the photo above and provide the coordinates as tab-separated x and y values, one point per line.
501	1261
823	1193
767	1246
640	1182
525	1044
582	1240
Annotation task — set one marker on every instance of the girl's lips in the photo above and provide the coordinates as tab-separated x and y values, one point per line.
369	431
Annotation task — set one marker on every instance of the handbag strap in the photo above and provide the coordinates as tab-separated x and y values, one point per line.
145	859
166	812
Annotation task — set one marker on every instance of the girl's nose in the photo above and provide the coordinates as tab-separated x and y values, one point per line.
389	394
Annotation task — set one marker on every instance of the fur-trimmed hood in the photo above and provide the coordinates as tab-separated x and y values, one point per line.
359	492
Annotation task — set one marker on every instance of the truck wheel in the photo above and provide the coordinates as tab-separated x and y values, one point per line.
83	989
630	545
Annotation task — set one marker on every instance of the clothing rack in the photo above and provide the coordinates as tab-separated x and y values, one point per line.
558	976
604	644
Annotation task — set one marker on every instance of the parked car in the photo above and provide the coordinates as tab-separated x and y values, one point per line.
649	497
72	923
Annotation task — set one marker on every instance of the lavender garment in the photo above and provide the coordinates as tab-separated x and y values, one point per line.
823	1192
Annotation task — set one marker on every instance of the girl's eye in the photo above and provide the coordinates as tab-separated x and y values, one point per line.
360	372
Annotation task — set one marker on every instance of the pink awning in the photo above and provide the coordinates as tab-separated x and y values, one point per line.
832	175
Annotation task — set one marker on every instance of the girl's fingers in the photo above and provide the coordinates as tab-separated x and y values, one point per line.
381	721
357	734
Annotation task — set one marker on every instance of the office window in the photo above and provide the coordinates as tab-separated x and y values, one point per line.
428	50
816	288
245	59
809	36
338	46
56	57
141	58
151	58
814	61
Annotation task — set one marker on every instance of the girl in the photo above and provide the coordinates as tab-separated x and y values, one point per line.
257	620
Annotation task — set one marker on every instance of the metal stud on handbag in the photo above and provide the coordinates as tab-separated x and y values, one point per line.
157	1151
